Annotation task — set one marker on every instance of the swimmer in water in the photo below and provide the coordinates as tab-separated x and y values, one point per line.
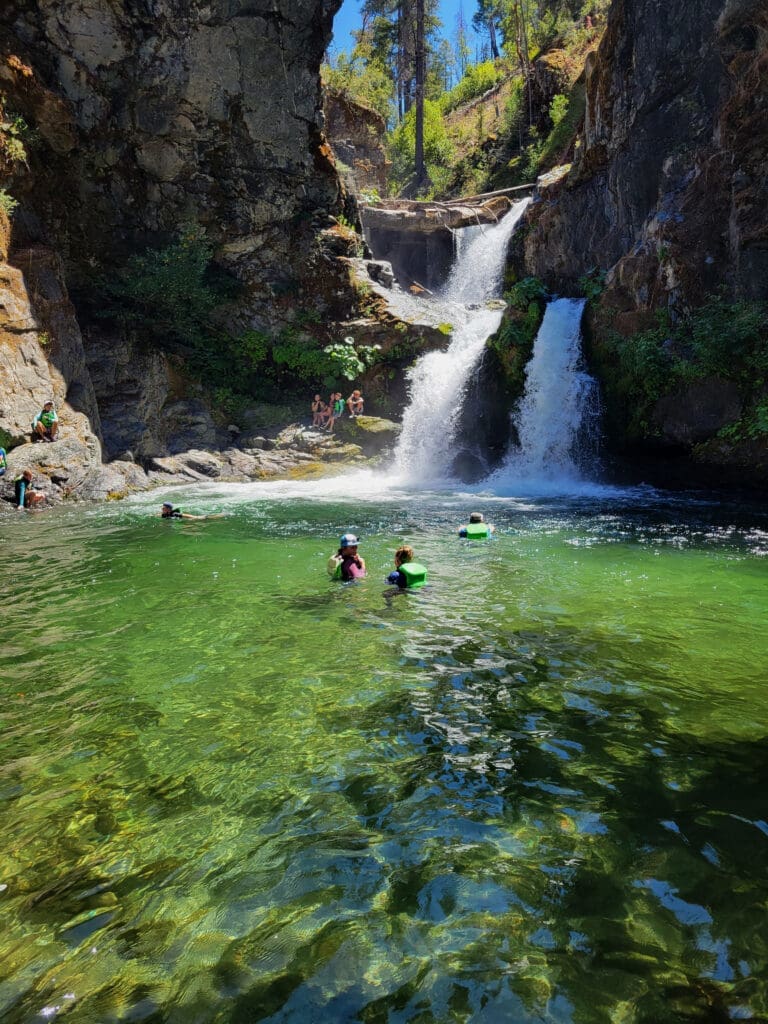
346	564
169	512
477	528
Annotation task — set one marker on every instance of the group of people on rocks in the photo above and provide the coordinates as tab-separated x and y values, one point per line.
45	427
325	414
347	565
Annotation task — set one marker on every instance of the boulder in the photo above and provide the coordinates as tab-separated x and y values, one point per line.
372	434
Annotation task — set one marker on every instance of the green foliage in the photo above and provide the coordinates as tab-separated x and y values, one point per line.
719	339
362	79
524	292
514	114
513	342
14	133
167	292
592	284
478	79
173	297
437	147
7	203
558	109
370	197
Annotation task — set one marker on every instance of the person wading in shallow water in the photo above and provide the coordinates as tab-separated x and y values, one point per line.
346	564
476	528
408	575
24	494
169	512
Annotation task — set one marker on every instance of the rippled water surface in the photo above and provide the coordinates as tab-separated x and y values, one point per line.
231	790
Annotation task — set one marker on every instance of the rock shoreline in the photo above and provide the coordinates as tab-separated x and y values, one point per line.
71	469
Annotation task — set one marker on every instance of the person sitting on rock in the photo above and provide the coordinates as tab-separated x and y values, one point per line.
346	564
477	528
46	424
318	411
337	409
24	494
169	512
355	404
3	461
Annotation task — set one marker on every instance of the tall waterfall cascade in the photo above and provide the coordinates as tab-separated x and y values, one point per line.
439	379
557	418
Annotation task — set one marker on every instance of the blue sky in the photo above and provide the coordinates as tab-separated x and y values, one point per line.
348	19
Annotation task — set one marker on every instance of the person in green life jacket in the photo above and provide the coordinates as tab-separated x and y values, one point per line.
476	528
24	494
46	424
3	461
337	409
408	575
169	512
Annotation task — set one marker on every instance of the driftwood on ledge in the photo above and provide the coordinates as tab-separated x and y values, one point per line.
431	215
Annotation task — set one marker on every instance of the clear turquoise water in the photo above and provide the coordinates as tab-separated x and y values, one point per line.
234	791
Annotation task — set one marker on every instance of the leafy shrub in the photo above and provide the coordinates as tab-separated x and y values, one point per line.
173	296
592	284
524	292
720	338
558	109
7	202
402	145
478	79
362	80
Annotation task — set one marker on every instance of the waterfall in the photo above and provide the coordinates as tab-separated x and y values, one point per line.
557	416
439	379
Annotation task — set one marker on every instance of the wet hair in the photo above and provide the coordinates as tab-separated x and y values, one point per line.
475	517
403	554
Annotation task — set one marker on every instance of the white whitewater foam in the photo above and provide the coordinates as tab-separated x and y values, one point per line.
553	417
439	379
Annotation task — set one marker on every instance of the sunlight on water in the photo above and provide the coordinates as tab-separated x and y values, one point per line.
235	791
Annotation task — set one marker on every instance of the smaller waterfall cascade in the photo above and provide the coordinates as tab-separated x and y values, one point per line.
557	417
439	379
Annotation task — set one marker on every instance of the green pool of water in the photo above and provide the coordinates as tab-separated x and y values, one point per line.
233	791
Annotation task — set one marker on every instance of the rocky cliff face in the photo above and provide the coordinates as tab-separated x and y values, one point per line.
139	118
153	113
356	134
667	192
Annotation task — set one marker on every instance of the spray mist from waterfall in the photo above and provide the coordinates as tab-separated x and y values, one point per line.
557	417
439	379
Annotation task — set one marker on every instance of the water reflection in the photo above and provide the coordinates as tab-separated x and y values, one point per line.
534	791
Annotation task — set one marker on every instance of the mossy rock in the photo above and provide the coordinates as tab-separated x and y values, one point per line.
371	433
308	471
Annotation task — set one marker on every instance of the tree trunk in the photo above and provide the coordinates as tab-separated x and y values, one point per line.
492	36
419	167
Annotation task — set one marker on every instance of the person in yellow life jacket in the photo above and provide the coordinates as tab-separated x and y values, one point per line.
46	424
476	528
408	575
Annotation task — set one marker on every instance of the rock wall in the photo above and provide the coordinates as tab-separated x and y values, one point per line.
667	192
154	113
141	117
41	348
356	135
